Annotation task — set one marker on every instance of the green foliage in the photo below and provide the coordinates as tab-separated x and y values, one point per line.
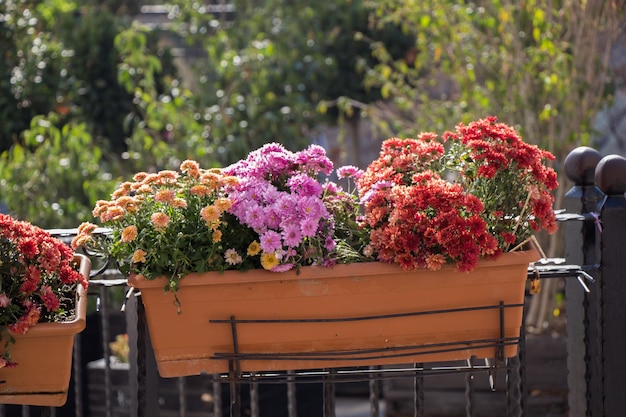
276	70
61	60
49	165
33	74
277	62
166	126
256	88
266	73
539	65
96	95
54	178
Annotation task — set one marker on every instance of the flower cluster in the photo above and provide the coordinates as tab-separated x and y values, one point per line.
416	218
425	202
39	280
281	199
267	211
172	223
475	192
509	176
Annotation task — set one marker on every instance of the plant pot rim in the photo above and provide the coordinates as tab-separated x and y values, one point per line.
320	272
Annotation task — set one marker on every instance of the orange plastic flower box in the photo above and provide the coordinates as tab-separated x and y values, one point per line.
348	315
44	357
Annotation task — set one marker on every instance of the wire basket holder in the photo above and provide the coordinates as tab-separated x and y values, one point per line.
371	370
361	357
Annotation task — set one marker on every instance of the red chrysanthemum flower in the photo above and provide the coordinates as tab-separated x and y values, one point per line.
38	277
481	194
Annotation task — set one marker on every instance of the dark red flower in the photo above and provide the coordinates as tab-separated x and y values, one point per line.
497	190
37	271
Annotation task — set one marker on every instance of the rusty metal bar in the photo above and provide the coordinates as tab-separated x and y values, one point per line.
469	394
418	393
235	374
329	394
374	395
292	406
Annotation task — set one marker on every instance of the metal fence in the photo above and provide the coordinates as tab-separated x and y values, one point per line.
594	218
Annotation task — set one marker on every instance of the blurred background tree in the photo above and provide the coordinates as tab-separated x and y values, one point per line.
64	115
542	66
213	80
271	65
259	75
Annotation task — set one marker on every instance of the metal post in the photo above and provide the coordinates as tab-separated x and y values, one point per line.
469	394
374	391
516	378
217	395
235	374
77	370
418	391
106	334
143	372
329	394
514	386
610	177
254	398
581	248
182	398
292	406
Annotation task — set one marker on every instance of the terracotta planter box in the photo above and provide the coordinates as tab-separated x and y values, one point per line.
349	315
44	357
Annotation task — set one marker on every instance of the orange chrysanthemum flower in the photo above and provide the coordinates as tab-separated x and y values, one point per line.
159	220
129	233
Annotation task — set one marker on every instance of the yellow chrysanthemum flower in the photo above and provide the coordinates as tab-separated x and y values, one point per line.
254	248
269	260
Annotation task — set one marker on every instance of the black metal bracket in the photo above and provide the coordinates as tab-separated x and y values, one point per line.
557	268
359	355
